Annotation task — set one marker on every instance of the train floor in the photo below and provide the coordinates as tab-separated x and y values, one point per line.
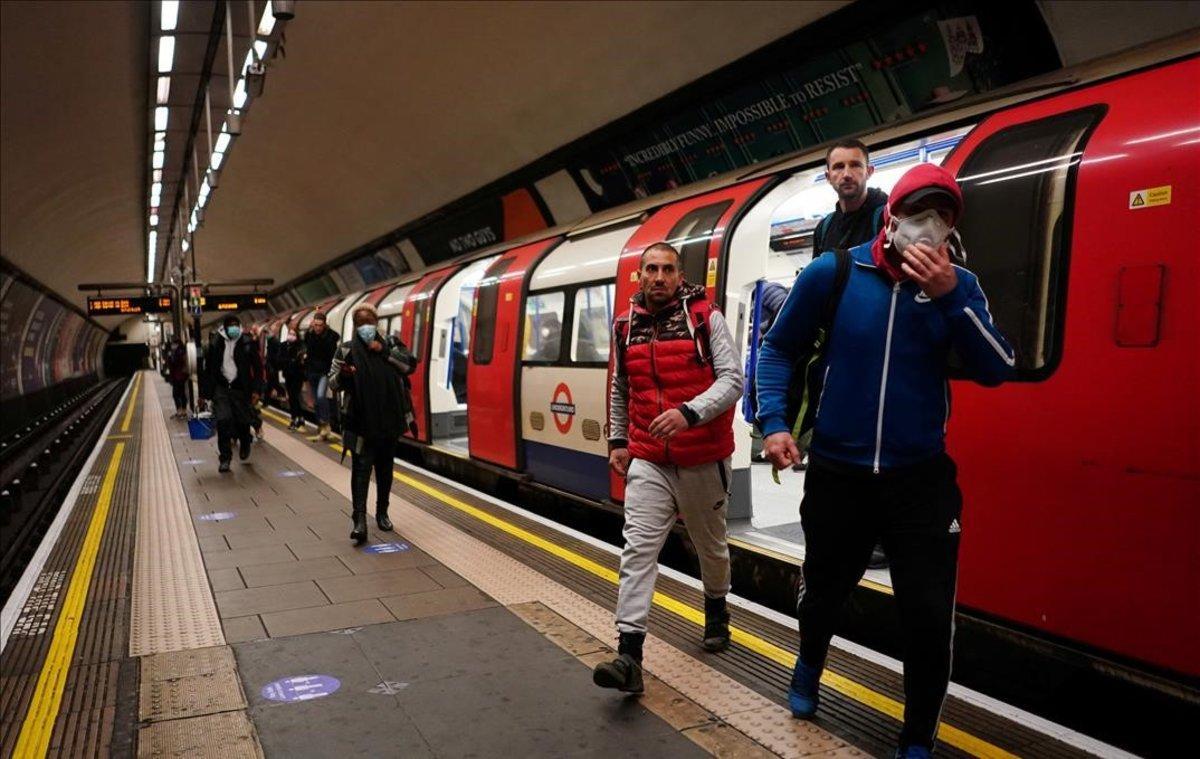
186	612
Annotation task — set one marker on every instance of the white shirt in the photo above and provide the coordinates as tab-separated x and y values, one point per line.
228	368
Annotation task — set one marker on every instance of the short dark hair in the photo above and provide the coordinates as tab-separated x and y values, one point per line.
848	144
319	316
231	319
661	245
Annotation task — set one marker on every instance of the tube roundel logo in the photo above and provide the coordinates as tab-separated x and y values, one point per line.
562	408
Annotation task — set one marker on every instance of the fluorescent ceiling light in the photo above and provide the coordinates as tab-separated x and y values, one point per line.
170	15
215	163
157	160
268	21
156	188
161	114
166	54
157	175
154	220
223	141
164	89
260	47
160	140
239	94
155	197
186	246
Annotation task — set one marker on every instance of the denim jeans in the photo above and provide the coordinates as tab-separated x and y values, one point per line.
320	385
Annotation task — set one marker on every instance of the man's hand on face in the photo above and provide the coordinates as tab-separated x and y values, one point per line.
618	459
780	449
930	268
668	423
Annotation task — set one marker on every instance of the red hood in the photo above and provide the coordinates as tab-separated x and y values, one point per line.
919	176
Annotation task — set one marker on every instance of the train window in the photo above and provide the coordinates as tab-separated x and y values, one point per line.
1016	186
487	299
690	236
543	326
418	346
592	321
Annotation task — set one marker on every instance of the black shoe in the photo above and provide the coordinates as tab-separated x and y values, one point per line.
381	519
244	448
223	466
716	624
359	533
623	673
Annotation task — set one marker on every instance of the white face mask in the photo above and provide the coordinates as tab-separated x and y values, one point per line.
927	227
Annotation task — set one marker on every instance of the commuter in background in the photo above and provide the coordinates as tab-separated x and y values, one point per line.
320	343
858	215
274	365
676	380
292	358
256	424
231	384
771	298
879	469
369	373
176	370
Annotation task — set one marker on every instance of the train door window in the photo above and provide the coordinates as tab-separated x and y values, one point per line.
592	320
487	300
543	326
690	236
1017	188
417	347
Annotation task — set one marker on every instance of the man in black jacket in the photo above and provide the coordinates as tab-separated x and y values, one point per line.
320	343
859	211
291	355
370	374
231	371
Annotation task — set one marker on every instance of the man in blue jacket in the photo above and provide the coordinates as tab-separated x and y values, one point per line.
878	468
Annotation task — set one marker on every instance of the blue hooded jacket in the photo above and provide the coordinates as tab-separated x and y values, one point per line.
886	397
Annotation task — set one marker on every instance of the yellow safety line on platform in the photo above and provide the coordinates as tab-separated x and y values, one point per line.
954	736
34	740
137	383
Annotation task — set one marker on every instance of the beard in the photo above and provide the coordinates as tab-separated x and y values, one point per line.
851	191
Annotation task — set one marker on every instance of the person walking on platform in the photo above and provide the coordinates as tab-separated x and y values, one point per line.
260	389
369	374
292	356
879	468
231	383
177	374
320	344
676	380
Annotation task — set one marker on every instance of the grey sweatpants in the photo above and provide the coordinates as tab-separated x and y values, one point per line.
655	495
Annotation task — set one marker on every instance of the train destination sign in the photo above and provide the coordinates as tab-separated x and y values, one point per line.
151	304
233	302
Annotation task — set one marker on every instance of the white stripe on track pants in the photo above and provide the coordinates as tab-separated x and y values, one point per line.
655	495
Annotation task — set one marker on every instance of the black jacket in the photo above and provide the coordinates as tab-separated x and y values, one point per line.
320	350
375	400
846	230
291	359
245	359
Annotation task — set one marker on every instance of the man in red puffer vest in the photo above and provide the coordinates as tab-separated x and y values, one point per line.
676	379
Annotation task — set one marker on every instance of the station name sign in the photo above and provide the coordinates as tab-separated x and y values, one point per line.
233	302
153	304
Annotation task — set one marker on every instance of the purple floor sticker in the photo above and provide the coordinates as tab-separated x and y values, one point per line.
387	548
300	688
192	462
292	473
216	516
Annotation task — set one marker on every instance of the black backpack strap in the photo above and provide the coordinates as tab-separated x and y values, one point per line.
877	218
840	277
821	229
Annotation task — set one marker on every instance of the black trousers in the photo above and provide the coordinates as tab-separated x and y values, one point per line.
233	415
294	388
367	456
916	515
179	394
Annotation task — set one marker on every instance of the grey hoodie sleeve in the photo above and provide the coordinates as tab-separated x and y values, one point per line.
726	389
618	406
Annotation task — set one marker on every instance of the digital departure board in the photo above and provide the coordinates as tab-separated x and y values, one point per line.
155	304
233	302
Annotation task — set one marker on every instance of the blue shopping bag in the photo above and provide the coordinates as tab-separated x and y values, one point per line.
201	427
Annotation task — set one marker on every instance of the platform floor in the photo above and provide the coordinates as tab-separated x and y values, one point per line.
242	622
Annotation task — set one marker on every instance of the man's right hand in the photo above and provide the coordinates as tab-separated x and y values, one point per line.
618	459
780	449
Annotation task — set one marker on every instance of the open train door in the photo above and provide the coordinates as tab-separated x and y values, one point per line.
417	333
495	360
697	227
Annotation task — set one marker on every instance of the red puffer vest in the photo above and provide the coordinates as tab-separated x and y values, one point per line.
667	360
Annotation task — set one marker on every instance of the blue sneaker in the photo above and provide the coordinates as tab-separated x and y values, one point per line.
913	752
803	695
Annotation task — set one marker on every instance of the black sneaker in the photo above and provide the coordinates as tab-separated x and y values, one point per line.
623	673
223	466
716	624
244	448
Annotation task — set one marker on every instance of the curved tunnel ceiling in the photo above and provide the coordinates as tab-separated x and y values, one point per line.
378	114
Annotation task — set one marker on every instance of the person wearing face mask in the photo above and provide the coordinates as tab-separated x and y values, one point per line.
879	469
177	374
369	374
291	355
232	379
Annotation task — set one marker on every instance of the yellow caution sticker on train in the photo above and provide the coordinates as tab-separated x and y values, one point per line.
1152	196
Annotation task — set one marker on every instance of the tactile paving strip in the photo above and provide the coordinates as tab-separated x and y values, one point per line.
193	696
512	582
216	736
173	607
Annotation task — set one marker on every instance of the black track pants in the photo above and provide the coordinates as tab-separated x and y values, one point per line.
294	388
916	514
377	456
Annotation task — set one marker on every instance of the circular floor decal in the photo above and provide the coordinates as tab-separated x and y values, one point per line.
300	688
